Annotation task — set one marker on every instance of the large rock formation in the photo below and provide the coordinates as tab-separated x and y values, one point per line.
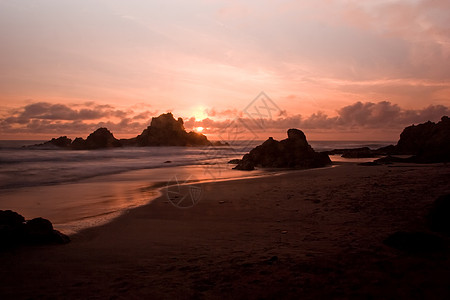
428	142
14	230
101	138
163	131
166	131
293	152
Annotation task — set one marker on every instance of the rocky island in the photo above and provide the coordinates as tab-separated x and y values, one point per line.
164	130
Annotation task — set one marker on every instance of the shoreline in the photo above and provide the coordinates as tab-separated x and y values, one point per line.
305	234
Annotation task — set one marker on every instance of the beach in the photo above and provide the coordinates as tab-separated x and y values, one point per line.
305	234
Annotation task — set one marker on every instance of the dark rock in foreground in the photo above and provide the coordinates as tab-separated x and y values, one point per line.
14	230
439	216
293	152
415	242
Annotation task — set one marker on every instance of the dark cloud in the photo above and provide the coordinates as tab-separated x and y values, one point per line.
367	115
59	119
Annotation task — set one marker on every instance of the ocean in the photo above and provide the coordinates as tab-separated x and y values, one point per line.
79	189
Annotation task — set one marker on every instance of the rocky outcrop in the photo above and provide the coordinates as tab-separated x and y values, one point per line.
363	152
428	142
163	131
166	131
293	152
101	138
14	230
54	143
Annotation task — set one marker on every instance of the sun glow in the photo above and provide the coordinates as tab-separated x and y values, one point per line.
199	129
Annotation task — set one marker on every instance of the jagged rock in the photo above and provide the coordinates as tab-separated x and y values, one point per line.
293	152
101	138
61	142
439	216
163	131
15	231
429	142
166	131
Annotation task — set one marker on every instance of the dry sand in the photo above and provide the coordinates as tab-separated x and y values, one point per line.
307	234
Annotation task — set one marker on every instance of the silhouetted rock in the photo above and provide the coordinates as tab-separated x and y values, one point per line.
439	216
234	161
40	231
429	142
415	242
166	131
15	231
101	138
11	227
245	164
61	142
387	150
293	152
388	160
363	152
163	131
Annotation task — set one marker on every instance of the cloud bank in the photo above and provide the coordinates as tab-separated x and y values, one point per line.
43	119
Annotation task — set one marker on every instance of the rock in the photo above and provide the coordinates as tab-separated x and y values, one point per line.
234	161
163	131
429	142
11	228
245	164
40	231
101	138
15	231
415	242
166	131
387	161
293	152
439	216
363	152
61	142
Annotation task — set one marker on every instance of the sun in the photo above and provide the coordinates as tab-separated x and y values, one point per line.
199	129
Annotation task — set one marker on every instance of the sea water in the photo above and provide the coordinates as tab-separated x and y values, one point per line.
76	189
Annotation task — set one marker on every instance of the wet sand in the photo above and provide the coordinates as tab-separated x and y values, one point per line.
307	234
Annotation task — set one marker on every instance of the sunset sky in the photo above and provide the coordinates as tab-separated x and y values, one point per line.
337	69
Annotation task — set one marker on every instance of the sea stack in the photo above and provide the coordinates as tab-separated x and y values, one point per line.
293	152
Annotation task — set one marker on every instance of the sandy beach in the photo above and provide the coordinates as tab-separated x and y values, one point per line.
303	235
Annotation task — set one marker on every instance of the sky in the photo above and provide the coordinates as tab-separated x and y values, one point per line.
337	69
